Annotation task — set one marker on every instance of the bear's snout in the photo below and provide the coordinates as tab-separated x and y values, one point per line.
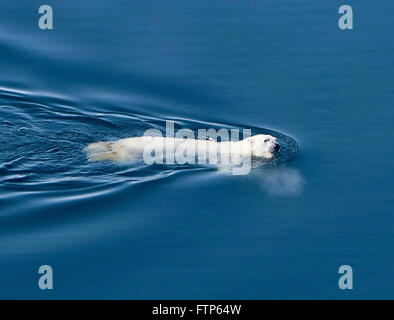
276	147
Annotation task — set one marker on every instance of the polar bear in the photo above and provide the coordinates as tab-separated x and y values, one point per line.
136	148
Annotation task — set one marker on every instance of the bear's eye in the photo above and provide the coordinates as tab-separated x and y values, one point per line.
266	140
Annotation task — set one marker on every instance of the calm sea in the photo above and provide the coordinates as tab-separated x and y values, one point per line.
111	69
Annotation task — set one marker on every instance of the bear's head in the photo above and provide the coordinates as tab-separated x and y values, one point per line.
263	145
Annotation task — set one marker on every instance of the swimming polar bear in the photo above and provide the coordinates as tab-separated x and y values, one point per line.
131	149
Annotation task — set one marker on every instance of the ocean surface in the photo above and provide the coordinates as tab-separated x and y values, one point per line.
110	70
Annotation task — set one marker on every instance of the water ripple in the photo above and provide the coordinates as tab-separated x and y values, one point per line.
42	140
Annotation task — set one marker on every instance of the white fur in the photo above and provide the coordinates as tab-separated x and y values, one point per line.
130	149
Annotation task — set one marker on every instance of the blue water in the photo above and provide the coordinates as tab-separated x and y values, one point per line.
110	70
